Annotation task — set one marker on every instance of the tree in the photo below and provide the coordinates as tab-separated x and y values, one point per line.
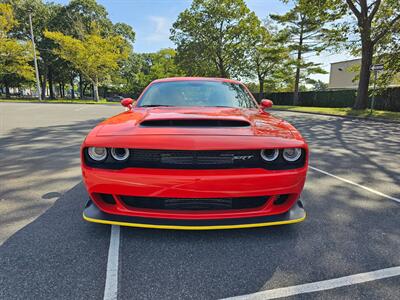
211	37
94	56
15	56
140	69
375	20
268	58
318	85
387	53
310	27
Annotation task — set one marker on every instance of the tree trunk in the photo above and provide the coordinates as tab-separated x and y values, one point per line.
96	90
51	86
81	93
296	87
297	78
261	90
365	73
60	89
44	83
72	89
8	96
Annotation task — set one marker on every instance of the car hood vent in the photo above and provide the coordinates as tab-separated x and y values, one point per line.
194	123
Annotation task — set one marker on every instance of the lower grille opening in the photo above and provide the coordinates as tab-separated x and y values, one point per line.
197	204
107	198
281	199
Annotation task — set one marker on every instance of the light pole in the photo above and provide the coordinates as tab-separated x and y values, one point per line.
376	69
35	60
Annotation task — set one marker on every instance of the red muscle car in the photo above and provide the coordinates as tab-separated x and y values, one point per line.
194	153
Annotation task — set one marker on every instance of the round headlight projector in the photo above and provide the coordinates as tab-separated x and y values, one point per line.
269	154
120	154
97	153
291	154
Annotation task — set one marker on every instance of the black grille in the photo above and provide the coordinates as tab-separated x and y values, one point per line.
196	159
194	123
193	203
201	159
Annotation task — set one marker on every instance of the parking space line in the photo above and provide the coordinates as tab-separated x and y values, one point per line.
356	184
321	285
80	108
111	286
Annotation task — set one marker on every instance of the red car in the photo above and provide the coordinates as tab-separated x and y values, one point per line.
194	153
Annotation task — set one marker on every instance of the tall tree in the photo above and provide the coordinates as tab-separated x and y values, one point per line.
268	58
94	56
309	25
375	20
15	56
211	37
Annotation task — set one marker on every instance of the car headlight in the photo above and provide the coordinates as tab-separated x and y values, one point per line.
269	154
97	153
120	154
291	154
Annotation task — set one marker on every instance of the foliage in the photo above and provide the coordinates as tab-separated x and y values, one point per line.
141	69
376	22
318	85
269	61
309	25
94	56
211	37
15	56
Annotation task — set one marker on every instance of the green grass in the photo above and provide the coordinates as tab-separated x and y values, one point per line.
381	114
76	101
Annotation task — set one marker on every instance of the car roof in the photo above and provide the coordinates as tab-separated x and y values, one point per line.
196	79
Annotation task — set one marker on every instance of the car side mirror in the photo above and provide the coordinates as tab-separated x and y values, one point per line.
127	102
266	103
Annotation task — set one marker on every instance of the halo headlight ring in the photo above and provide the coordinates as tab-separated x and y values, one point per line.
120	154
97	153
269	154
291	154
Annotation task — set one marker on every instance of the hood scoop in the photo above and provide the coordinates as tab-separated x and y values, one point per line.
196	123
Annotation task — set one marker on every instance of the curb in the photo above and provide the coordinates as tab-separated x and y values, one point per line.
346	117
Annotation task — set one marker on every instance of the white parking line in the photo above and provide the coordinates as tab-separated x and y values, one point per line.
356	184
111	287
321	285
80	108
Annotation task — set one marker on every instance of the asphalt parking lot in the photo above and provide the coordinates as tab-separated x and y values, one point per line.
352	197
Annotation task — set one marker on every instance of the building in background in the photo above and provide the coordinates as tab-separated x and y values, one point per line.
343	74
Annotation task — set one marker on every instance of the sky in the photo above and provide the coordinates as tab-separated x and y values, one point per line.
152	19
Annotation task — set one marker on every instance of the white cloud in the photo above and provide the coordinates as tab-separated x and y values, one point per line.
161	26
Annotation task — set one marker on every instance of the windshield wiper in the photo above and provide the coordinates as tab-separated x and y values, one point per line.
155	105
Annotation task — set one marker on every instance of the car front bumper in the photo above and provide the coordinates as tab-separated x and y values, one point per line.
296	214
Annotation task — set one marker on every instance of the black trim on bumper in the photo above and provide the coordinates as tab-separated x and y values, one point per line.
93	214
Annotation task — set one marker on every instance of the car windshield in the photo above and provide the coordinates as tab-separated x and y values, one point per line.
197	93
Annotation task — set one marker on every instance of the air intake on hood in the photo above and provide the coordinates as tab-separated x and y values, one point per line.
195	123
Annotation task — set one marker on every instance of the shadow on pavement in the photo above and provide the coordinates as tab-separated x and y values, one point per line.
37	166
57	256
365	150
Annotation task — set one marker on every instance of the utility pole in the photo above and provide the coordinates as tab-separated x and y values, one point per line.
35	60
376	69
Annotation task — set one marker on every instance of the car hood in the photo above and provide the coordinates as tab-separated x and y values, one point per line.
195	121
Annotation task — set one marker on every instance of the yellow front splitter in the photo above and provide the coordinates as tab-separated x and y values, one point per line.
93	214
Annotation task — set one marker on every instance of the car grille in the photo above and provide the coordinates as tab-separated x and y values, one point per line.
193	159
193	203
